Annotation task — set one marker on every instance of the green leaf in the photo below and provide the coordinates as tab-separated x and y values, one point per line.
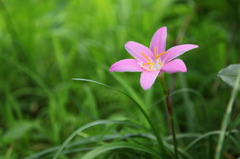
229	74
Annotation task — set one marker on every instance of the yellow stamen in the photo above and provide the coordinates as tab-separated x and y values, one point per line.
148	63
161	54
160	63
146	56
155	51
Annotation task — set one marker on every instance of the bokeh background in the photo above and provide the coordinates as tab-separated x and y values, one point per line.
46	43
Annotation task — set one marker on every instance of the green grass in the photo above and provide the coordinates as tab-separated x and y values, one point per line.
45	44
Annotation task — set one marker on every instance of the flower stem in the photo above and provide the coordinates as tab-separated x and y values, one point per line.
170	113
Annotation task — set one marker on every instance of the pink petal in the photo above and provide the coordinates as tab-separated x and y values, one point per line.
177	51
159	40
173	66
126	65
148	78
135	49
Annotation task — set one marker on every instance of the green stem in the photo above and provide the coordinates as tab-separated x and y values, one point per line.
170	113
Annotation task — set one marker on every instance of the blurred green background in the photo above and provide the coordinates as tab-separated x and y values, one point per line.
46	43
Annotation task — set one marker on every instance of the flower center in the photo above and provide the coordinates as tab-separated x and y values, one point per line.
152	65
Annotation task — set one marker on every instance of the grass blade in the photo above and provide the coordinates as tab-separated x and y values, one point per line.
206	135
227	117
139	106
119	145
88	126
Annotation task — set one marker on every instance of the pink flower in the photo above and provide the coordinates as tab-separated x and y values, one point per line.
151	62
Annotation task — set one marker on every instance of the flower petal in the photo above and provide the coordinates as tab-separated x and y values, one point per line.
159	40
177	51
136	50
126	65
148	78
173	66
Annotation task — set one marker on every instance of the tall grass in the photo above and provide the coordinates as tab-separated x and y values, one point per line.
44	44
